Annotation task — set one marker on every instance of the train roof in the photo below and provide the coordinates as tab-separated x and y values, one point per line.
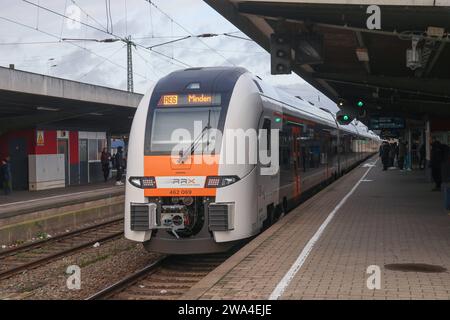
210	79
224	78
295	103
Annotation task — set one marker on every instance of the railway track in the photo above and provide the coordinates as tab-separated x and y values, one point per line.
165	279
35	254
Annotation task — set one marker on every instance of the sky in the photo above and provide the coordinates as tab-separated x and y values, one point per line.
31	39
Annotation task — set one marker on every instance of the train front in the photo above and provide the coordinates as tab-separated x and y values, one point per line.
173	165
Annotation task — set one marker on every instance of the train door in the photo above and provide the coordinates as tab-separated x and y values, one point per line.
297	153
268	178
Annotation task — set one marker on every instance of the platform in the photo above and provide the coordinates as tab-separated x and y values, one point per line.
25	215
20	202
322	249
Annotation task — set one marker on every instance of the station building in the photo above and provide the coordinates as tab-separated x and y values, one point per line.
47	158
385	71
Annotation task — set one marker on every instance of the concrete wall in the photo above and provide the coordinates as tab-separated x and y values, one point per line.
55	220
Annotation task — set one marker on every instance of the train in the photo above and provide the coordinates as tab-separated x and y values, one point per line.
216	155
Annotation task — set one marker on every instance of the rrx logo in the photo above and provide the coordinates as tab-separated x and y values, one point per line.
183	181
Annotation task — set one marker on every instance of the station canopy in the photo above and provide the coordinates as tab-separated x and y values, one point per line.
29	100
340	49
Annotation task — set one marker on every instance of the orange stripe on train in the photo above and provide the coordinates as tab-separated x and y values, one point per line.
196	165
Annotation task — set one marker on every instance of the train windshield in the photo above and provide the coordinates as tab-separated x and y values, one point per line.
188	126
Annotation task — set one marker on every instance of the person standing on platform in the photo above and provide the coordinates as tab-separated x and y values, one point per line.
105	159
384	154
392	153
5	171
436	159
401	154
118	160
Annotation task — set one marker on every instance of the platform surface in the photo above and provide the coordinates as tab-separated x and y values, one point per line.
391	217
21	202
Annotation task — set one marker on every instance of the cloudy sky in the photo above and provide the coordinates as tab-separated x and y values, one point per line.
30	38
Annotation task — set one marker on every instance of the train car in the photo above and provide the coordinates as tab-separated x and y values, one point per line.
189	190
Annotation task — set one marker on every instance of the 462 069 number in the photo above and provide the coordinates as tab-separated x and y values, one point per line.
177	192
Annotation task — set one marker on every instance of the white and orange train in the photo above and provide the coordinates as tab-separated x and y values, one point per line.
196	205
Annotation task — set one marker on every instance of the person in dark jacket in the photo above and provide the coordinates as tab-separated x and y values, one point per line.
105	159
5	171
119	162
401	154
436	159
384	154
392	154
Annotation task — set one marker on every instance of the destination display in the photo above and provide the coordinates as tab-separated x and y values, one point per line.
195	99
378	123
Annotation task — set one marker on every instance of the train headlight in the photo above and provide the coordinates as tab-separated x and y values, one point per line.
143	182
135	182
220	181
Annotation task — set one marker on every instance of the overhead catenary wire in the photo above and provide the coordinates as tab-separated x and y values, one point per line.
237	37
37	16
65	16
110	33
71	43
148	63
63	20
189	32
151	20
110	16
109	27
88	15
28	43
126	18
107	16
101	62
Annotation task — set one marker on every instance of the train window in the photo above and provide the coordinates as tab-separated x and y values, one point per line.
186	120
285	147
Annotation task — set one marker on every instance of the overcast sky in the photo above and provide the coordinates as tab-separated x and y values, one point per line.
31	40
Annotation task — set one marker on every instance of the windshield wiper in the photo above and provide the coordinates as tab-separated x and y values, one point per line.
195	143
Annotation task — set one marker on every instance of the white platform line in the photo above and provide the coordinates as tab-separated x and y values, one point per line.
286	280
58	196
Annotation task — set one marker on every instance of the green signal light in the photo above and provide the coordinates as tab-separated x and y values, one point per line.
346	118
360	104
277	120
